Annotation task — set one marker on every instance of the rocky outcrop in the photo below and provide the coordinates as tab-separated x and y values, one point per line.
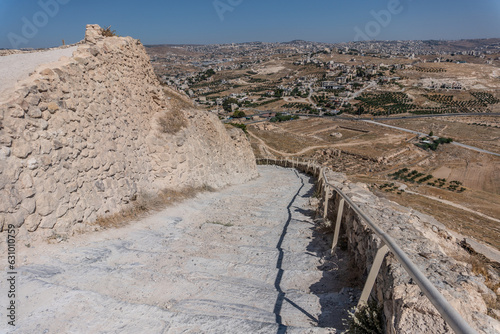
83	137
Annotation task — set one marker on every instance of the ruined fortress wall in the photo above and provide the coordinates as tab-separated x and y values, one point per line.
80	139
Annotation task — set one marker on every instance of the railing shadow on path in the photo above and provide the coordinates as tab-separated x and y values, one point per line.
337	290
449	314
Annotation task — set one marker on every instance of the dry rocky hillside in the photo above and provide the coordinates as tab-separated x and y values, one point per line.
84	137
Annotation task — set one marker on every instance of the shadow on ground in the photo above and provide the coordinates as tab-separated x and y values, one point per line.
340	286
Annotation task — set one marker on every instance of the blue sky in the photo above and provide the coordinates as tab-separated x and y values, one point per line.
25	23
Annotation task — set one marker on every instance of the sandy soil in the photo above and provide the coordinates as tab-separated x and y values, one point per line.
458	128
271	69
243	260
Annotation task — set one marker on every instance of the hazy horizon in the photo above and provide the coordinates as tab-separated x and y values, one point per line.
45	23
322	42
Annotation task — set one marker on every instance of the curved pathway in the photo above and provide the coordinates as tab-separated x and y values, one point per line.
246	259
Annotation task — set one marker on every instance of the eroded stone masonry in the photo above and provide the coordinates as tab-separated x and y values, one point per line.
81	138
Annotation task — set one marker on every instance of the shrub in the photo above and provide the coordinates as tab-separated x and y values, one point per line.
365	320
241	126
283	118
172	122
108	32
239	114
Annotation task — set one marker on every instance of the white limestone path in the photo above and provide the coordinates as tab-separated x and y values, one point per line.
243	260
17	67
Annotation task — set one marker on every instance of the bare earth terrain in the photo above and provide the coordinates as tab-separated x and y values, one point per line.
243	260
370	153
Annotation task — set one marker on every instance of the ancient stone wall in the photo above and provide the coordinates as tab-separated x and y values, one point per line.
429	246
81	138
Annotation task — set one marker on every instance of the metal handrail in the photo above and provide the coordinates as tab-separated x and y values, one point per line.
449	314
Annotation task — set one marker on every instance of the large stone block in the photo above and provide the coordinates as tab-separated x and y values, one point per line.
18	217
71	187
5	140
32	222
6	220
52	107
15	197
5	204
32	164
16	112
5	152
48	222
45	146
62	210
35	113
29	204
46	204
21	149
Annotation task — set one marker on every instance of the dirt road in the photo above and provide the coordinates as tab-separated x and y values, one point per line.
423	134
243	260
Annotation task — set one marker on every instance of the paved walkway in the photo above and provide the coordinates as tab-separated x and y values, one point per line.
243	260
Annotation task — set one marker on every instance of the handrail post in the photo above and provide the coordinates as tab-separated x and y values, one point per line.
372	276
449	314
327	197
337	225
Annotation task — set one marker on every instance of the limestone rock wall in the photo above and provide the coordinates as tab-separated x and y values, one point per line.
81	138
430	247
428	244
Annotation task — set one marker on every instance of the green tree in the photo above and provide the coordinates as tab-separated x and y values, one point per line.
227	104
209	73
239	114
278	93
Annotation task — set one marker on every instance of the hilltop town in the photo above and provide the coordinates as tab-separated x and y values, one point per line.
328	79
